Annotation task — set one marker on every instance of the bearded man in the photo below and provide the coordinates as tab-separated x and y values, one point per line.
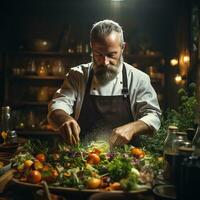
106	97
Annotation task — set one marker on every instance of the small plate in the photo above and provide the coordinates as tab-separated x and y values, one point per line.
164	192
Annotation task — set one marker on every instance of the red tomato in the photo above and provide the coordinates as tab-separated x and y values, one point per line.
50	176
41	157
96	151
93	158
35	176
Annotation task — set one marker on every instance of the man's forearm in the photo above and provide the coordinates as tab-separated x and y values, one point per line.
57	117
141	128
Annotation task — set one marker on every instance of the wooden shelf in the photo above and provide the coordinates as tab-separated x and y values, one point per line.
38	77
143	56
29	103
48	53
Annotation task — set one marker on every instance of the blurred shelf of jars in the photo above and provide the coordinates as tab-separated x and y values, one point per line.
31	79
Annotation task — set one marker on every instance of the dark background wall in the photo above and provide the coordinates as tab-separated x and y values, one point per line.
158	25
23	21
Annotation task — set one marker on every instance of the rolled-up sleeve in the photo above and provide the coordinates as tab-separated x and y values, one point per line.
147	108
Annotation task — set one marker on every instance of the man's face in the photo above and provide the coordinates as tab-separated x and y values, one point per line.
107	57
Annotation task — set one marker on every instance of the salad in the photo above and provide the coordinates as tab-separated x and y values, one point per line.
91	166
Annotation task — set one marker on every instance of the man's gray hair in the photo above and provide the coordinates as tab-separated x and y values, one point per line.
104	28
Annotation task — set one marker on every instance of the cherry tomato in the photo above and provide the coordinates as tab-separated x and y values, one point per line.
41	157
45	168
38	165
137	152
96	151
49	175
28	163
93	158
93	183
35	176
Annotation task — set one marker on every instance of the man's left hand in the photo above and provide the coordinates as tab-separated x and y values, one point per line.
124	134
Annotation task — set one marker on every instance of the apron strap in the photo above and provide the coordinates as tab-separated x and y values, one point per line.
125	92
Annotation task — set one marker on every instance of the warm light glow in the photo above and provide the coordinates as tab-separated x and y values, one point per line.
174	62
44	43
186	59
178	79
184	62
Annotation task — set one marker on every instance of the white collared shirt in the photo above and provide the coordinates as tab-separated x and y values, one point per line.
143	98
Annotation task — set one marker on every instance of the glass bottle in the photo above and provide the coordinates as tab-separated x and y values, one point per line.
168	153
196	142
5	123
31	68
42	69
58	68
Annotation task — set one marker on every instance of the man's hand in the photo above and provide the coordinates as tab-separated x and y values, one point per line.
121	135
124	134
70	131
66	124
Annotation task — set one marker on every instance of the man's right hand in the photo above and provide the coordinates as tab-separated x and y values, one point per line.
67	126
70	131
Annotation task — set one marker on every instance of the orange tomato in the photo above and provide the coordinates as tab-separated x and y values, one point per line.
54	173
35	176
93	183
137	152
41	157
93	158
115	186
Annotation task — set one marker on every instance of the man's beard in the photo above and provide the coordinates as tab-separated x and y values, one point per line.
106	73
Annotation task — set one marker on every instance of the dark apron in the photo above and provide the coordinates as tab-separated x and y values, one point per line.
100	114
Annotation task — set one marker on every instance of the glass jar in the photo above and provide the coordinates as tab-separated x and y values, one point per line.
58	68
12	137
42	95
42	69
180	140
31	68
171	135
